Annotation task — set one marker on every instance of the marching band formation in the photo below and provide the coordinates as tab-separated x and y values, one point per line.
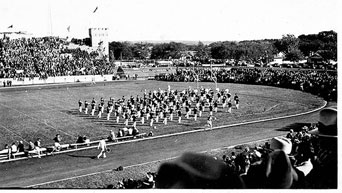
163	105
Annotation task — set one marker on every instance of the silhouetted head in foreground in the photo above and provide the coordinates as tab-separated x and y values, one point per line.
197	171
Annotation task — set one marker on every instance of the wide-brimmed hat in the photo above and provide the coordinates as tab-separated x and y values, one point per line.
279	171
281	143
275	171
327	123
197	171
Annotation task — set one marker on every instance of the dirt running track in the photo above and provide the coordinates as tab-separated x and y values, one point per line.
35	171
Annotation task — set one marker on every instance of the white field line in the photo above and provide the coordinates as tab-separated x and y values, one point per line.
272	107
180	133
15	134
36	120
140	164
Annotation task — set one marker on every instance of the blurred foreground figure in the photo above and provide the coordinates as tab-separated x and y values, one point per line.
324	172
197	171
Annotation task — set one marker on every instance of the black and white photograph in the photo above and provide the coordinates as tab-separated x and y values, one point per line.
169	94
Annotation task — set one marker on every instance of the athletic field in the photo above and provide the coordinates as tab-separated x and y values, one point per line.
28	113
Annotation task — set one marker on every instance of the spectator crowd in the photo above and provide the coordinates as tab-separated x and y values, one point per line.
321	83
46	57
303	159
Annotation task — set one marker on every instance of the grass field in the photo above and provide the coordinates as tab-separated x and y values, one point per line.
29	113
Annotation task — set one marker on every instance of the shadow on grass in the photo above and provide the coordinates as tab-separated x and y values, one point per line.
83	156
71	112
295	126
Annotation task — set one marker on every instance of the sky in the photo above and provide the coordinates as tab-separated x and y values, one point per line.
201	20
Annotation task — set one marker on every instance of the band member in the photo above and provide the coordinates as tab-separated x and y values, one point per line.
224	102
93	108
179	112
102	104
211	109
108	113
236	99
165	117
229	107
171	114
195	113
187	112
200	111
134	119
126	118
100	111
142	117
80	105
151	119
117	114
86	104
215	106
157	115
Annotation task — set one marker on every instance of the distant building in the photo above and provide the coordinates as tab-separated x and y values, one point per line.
279	58
315	59
99	40
163	63
187	55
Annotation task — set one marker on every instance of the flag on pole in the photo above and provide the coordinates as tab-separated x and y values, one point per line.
95	9
11	26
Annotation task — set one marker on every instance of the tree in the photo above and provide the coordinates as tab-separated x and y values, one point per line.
324	43
122	50
168	50
294	55
140	51
287	43
202	52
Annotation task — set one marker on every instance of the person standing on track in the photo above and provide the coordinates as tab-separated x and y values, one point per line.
210	121
102	145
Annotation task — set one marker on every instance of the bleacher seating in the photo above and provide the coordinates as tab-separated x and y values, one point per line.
51	150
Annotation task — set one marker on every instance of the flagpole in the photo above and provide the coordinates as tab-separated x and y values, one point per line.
50	18
211	69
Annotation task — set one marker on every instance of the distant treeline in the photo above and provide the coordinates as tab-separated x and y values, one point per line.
294	48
